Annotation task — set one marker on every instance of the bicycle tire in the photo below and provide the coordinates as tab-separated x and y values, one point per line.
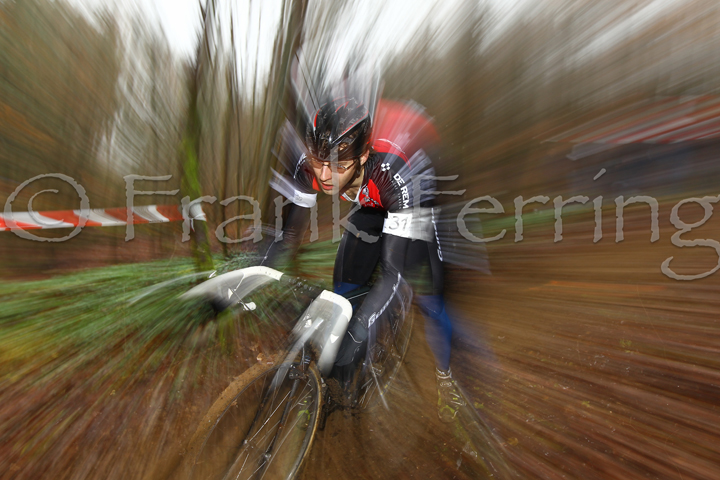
237	428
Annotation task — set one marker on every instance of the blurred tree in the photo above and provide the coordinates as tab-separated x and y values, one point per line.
199	71
57	91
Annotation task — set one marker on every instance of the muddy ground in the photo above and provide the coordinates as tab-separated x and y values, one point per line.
579	360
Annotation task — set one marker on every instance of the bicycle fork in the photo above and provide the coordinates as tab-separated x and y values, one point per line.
296	376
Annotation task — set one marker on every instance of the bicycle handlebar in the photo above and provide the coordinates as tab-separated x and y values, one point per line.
231	288
323	324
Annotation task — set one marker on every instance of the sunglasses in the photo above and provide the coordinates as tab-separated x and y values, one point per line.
341	165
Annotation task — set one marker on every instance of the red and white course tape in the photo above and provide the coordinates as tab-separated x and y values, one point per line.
97	217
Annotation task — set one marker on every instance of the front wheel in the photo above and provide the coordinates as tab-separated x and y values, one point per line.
262	426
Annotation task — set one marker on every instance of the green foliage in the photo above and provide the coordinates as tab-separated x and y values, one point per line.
84	313
114	349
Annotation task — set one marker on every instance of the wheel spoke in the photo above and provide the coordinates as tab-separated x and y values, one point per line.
282	441
268	418
273	435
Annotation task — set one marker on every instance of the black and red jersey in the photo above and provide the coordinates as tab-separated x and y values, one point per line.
395	181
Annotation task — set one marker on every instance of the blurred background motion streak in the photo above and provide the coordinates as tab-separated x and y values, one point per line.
580	357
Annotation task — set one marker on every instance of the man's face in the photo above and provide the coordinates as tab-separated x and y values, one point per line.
334	178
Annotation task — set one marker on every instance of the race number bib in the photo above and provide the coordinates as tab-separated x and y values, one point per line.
416	225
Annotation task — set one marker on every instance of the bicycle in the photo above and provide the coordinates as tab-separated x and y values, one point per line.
264	423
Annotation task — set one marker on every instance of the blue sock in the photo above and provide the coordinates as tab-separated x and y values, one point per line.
438	328
342	288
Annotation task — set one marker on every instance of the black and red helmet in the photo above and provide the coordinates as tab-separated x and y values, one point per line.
340	130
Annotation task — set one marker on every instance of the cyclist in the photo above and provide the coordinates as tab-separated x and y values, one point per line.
372	162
